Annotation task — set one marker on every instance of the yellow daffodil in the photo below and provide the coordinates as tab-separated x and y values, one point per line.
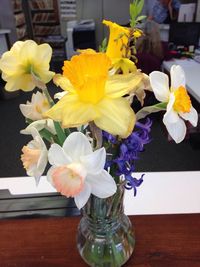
117	47
93	95
123	64
26	66
118	40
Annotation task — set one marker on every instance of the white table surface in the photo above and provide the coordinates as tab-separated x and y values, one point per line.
192	73
160	193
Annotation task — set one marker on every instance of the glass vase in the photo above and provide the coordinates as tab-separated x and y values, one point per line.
105	235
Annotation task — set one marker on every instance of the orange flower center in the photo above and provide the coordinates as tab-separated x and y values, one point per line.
69	179
88	73
29	156
182	100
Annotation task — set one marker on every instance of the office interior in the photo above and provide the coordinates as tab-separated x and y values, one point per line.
77	24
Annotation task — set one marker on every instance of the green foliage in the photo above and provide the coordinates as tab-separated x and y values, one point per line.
103	46
135	10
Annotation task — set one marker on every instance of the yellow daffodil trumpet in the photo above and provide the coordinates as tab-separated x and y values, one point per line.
93	95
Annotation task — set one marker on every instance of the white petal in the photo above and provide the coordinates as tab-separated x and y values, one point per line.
94	162
171	114
102	184
39	125
50	126
77	145
191	116
82	198
177	77
175	126
160	84
42	162
57	156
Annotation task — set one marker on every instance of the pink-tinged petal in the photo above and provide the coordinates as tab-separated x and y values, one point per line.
191	116
160	85
177	77
82	198
77	145
94	162
57	156
102	184
49	175
69	179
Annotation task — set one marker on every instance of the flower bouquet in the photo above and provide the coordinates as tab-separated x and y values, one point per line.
89	133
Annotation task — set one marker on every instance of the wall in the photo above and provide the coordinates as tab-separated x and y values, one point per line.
115	10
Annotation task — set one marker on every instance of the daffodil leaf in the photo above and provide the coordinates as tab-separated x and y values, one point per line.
44	133
150	109
140	18
140	5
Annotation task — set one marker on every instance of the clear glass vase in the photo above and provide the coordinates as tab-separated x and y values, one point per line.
105	235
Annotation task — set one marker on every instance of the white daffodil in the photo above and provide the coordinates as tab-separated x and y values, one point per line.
179	107
39	125
34	157
77	171
33	110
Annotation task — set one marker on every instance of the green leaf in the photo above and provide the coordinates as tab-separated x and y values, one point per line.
103	46
44	133
140	5
150	109
60	133
140	18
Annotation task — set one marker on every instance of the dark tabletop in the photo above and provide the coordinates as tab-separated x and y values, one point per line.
161	240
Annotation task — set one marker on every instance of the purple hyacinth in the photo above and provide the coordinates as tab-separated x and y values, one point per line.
125	152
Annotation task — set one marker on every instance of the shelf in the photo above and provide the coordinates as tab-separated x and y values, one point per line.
18	11
20	25
42	10
46	23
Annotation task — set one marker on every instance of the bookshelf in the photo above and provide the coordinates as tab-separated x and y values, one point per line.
20	21
44	25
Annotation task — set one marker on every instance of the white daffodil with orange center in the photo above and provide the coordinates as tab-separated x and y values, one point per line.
179	107
77	171
93	95
34	157
117	47
26	66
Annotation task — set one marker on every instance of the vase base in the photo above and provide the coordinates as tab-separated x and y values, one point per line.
110	248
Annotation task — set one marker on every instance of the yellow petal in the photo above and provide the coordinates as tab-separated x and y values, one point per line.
71	112
44	53
117	117
118	39
24	82
119	85
28	51
63	82
123	64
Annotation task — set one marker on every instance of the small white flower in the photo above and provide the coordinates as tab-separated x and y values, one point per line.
77	171
179	107
33	110
47	124
35	156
